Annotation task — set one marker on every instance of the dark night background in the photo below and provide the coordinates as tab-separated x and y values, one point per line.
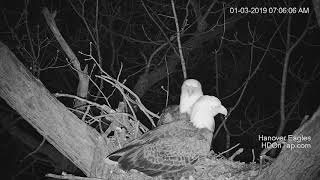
128	37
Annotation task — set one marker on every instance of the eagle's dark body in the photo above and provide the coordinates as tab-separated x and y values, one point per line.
171	113
169	150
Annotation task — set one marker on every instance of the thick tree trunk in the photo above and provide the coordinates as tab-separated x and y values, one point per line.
28	96
299	163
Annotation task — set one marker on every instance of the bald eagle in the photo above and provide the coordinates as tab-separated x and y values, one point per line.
172	149
190	92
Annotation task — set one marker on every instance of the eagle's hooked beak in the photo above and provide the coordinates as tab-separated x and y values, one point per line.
222	110
221	115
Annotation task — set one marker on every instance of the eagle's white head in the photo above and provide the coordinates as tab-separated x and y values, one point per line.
204	110
190	92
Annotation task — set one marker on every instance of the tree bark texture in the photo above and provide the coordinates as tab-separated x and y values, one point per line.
28	96
298	163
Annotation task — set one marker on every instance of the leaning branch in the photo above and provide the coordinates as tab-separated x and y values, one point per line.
28	96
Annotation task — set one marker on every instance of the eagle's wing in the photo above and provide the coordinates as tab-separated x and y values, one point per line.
168	149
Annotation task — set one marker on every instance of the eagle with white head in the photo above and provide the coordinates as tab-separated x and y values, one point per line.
203	111
190	92
172	149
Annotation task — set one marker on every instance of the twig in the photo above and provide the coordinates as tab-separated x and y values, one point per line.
217	73
157	24
37	149
239	151
183	63
220	154
71	177
103	107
